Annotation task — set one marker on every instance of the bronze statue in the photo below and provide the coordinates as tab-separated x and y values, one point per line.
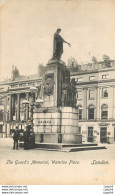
58	45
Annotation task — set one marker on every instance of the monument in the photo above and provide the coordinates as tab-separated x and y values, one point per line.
56	120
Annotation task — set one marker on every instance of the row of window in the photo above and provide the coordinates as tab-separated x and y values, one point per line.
91	112
91	136
24	84
91	78
92	94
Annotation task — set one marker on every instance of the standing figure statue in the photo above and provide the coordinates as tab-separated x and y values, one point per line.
58	45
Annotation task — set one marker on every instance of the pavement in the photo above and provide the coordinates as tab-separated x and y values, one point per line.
52	167
6	145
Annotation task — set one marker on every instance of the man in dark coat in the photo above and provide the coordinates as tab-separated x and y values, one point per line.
58	45
26	137
32	139
16	138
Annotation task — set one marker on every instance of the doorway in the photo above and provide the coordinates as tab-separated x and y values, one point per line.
90	134
103	134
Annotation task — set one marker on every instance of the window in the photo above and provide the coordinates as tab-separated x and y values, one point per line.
104	112
79	95
80	113
90	134
79	79
92	78
90	131
31	84
91	94
23	84
79	130
14	86
104	92
91	112
105	76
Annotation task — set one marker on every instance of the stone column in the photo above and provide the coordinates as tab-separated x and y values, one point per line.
13	105
96	98
85	104
8	130
27	107
4	130
10	108
98	103
110	103
5	109
4	117
18	107
113	103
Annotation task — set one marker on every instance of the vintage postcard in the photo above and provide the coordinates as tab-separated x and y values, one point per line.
57	92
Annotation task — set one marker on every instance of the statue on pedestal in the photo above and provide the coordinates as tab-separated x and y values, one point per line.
69	93
58	45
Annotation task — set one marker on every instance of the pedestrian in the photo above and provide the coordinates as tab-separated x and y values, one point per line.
16	138
26	138
32	138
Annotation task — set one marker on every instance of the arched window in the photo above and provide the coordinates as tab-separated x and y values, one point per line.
91	112
104	111
105	92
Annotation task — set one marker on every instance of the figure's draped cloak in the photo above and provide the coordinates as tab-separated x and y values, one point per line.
57	46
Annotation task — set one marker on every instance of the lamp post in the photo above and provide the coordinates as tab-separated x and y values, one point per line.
1	119
26	104
32	104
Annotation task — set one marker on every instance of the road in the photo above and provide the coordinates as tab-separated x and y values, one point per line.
51	167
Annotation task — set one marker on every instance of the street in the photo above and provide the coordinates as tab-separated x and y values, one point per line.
51	167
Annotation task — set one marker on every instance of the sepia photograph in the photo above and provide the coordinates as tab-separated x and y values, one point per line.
57	92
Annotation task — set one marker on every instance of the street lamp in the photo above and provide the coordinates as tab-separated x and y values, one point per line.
26	105
32	91
32	103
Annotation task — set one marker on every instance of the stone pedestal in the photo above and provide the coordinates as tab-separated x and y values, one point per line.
57	126
56	121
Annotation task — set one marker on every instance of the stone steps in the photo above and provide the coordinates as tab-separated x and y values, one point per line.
79	145
60	145
84	148
68	147
74	149
65	147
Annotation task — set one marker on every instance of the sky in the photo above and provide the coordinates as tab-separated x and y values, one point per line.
27	28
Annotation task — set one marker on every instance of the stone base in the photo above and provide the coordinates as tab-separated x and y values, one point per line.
56	126
71	138
57	138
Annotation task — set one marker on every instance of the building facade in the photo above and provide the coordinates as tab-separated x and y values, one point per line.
12	109
95	99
